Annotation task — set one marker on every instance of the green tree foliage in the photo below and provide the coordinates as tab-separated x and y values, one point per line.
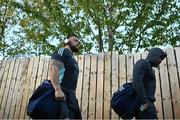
8	18
106	25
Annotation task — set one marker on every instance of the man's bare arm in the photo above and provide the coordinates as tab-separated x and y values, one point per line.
54	73
54	76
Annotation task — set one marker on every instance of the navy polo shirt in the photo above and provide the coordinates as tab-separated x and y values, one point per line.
68	75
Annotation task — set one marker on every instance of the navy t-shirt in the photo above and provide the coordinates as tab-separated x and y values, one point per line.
68	75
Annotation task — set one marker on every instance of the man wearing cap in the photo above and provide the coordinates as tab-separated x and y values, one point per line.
144	82
64	75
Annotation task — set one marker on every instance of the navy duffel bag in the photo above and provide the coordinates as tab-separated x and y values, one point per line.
125	102
42	104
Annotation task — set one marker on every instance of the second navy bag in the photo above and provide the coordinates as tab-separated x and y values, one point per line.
125	102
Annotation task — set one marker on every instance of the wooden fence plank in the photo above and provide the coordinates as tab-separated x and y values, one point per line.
85	93
6	90
33	75
16	90
177	51
166	97
99	95
48	74
129	67
1	62
144	54
137	56
122	69
92	90
158	102
27	92
4	80
40	71
80	80
2	70
45	68
173	77
22	77
107	86
115	84
11	89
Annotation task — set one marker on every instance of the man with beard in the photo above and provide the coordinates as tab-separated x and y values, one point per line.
64	75
144	82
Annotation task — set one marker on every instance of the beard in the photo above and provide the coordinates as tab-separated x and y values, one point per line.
73	48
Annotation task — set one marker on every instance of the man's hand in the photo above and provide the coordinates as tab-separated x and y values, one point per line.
144	106
59	95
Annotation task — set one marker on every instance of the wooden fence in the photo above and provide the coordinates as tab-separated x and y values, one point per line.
100	75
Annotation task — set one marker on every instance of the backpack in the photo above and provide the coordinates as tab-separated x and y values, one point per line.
125	102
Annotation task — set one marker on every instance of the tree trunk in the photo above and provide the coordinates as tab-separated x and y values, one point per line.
111	38
100	41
